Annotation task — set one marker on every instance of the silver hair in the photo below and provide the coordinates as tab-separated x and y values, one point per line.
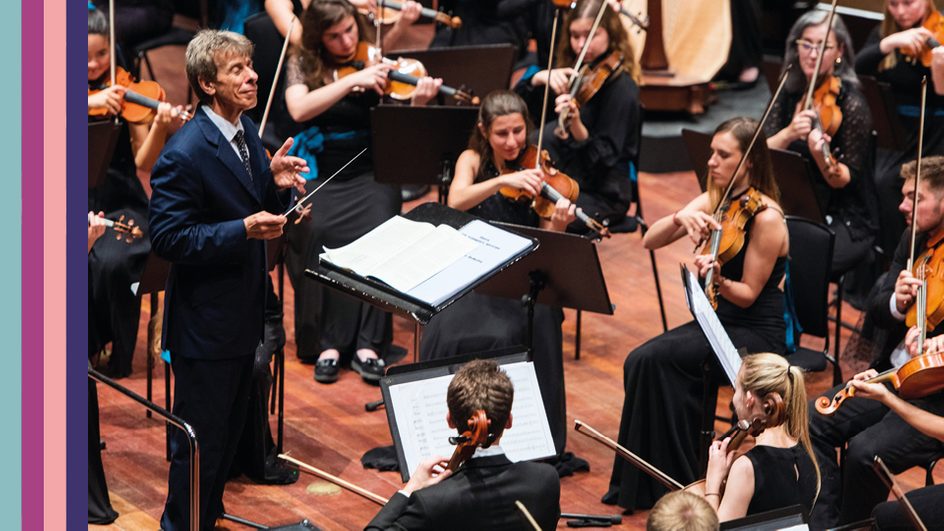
202	52
816	17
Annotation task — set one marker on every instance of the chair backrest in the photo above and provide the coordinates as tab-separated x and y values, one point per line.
811	256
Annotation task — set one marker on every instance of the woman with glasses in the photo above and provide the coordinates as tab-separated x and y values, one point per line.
888	55
840	154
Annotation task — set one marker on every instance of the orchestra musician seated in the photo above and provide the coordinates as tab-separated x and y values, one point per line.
481	493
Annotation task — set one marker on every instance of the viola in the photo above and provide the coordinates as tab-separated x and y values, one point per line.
466	443
587	83
929	268
918	377
126	230
388	12
556	185
140	102
935	24
404	76
728	242
824	101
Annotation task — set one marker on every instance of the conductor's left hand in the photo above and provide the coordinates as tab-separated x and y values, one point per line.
286	169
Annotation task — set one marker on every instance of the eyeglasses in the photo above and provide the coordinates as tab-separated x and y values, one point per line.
809	46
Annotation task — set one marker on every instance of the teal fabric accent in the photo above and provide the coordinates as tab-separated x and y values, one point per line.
529	73
633	172
913	111
790	319
165	355
91	6
310	142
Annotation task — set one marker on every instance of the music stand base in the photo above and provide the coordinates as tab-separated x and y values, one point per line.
304	525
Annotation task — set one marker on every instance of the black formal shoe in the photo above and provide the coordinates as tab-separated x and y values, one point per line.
371	369
326	370
278	473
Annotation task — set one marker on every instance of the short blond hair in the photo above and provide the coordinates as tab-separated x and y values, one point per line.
201	56
682	511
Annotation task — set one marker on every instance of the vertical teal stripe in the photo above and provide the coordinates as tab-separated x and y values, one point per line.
10	267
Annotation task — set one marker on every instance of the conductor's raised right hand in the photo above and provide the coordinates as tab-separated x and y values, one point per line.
527	180
697	224
264	226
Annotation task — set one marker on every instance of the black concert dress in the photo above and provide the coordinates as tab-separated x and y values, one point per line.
851	210
665	394
904	79
782	477
114	265
482	323
348	207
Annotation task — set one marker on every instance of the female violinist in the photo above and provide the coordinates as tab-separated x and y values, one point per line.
663	378
114	264
476	322
780	470
336	116
864	427
889	56
834	133
928	502
598	142
282	11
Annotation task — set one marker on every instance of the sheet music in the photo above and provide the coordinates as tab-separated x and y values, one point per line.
420	411
708	320
494	247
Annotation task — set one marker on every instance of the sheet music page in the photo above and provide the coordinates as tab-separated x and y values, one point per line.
710	324
424	258
495	247
420	411
363	255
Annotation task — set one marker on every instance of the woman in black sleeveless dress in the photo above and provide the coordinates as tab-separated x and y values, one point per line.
663	378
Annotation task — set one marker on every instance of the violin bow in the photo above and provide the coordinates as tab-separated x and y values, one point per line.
921	299
275	81
301	201
379	500
879	466
634	459
111	41
808	100
547	86
527	515
716	234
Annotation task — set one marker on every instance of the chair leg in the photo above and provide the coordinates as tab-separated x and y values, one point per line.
577	336
643	228
929	473
837	343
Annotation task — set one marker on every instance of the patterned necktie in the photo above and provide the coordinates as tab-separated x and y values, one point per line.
240	140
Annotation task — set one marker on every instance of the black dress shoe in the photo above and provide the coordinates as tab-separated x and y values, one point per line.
326	371
371	369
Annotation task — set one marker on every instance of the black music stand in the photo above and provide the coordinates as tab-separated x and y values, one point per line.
423	153
102	140
391	300
794	176
479	69
564	272
884	113
153	280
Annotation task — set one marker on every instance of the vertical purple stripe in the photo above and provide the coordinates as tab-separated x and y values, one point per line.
32	264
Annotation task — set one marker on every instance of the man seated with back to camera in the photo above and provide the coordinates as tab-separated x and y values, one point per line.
481	494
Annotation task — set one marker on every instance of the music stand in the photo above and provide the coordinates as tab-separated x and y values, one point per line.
102	140
884	113
564	271
792	517
423	153
391	300
479	69
794	176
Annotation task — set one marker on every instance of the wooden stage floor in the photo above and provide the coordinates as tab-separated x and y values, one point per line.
326	425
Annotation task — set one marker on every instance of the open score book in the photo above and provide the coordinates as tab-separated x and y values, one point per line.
427	262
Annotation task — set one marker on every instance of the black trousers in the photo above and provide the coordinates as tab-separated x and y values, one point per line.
927	502
869	429
212	396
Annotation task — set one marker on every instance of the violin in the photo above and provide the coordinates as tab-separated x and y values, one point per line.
388	12
935	24
140	102
477	435
728	242
404	76
126	230
556	185
585	85
918	377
